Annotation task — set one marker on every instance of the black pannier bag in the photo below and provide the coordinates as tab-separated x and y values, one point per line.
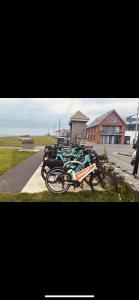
54	163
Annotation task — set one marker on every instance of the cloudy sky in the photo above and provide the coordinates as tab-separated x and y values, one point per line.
40	115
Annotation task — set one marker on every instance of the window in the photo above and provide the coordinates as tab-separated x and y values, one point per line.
107	129
117	129
111	129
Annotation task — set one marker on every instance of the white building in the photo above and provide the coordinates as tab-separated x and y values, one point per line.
129	136
130	133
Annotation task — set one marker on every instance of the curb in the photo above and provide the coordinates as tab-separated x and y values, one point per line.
124	154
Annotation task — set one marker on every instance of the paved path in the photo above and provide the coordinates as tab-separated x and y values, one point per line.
36	184
15	179
9	147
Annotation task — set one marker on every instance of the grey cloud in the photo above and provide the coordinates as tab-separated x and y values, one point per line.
34	114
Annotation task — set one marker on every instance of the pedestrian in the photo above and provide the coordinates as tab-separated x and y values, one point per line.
136	159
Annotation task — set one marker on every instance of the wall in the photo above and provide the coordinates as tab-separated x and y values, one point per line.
131	134
112	120
94	133
78	130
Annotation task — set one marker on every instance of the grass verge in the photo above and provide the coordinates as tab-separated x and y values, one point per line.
10	158
10	142
84	196
44	140
38	140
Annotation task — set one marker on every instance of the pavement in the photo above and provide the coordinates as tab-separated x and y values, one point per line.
36	184
9	147
15	179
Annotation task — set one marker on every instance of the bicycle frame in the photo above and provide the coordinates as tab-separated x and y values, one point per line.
79	176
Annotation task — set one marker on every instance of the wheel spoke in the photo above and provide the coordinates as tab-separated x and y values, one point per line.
57	181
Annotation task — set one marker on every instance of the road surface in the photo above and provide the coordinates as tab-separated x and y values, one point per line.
120	160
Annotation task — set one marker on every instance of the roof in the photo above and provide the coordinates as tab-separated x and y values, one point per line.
101	118
79	116
133	123
130	121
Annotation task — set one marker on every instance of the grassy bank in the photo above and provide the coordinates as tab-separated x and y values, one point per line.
10	142
10	158
85	196
38	140
44	140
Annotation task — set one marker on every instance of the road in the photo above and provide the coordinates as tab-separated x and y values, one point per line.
112	153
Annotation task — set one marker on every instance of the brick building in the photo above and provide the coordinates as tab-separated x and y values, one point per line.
78	127
109	128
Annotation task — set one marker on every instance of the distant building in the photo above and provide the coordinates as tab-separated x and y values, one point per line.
78	127
109	128
130	133
62	132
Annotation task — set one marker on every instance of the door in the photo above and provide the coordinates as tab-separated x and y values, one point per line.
110	139
117	139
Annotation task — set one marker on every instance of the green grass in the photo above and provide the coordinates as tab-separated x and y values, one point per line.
10	158
10	141
84	196
44	140
38	140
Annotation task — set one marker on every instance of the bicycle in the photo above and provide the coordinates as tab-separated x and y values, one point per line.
59	180
58	158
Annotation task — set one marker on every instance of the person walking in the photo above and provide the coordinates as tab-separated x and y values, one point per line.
136	159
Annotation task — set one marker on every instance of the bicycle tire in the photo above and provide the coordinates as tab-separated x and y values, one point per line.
47	182
96	176
43	173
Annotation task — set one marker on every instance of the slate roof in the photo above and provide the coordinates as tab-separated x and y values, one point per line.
98	120
79	116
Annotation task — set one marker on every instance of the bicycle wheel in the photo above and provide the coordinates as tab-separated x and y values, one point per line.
44	171
94	178
57	181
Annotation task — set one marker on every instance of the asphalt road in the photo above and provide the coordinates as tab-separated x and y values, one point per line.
122	161
15	179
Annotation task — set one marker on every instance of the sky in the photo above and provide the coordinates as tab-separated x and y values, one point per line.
38	116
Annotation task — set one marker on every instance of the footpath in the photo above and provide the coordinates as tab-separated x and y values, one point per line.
15	179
